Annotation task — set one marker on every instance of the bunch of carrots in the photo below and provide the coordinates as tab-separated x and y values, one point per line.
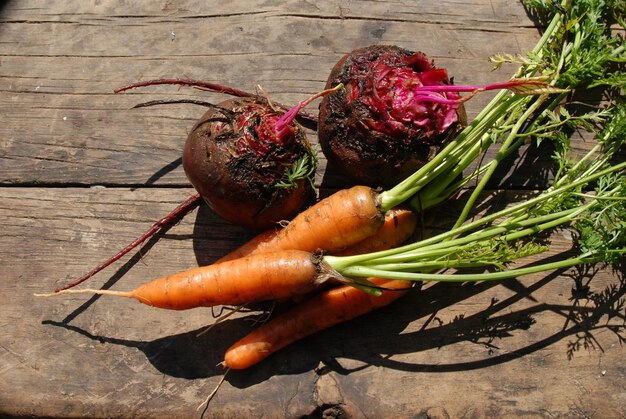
284	264
292	261
342	256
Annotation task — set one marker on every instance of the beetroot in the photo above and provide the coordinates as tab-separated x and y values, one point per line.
252	167
381	128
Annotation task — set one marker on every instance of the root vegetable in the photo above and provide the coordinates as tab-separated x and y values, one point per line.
399	225
249	172
379	130
320	312
332	224
247	157
266	276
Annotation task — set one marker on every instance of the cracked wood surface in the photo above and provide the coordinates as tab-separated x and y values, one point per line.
533	347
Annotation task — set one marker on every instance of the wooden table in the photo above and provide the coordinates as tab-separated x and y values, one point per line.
82	175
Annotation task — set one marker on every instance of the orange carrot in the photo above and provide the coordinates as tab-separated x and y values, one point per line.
265	276
342	219
260	276
334	223
322	311
399	225
329	307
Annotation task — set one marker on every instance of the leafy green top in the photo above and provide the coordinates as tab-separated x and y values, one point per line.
581	49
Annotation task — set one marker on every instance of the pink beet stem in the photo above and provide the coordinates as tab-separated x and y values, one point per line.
184	207
511	84
287	118
429	93
211	87
429	97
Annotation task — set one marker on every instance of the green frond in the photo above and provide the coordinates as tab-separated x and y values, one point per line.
303	168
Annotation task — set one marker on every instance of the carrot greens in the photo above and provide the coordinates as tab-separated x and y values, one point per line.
600	220
581	48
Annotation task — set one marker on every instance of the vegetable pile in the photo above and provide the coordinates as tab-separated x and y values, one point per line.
312	255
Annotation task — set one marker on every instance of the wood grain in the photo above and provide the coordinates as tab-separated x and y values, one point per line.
82	174
63	124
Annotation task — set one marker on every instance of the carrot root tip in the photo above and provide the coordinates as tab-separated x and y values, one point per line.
86	291
212	394
50	294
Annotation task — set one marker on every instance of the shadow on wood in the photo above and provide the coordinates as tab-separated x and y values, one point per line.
376	338
120	272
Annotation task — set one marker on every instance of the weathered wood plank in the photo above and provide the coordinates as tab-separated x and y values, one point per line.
542	346
62	124
525	347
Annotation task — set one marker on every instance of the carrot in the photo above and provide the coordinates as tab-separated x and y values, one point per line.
262	276
266	276
329	307
399	225
334	223
320	312
391	229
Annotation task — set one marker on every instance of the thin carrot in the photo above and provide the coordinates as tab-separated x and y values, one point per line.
334	223
320	312
266	276
263	276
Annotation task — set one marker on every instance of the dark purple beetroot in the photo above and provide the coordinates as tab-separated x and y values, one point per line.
243	166
379	130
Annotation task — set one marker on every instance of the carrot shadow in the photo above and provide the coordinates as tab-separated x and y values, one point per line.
185	355
3	4
530	168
